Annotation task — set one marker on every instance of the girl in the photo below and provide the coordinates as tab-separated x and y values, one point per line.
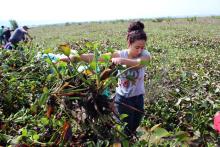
130	90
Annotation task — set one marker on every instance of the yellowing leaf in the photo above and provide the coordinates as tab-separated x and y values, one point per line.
65	48
154	127
117	144
87	72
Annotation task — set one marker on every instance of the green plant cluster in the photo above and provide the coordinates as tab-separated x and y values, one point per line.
45	104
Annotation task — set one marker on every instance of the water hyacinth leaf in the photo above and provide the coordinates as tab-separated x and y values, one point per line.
62	64
36	137
161	132
18	139
8	138
182	136
44	96
47	51
96	45
125	143
118	127
44	121
122	116
154	127
82	51
89	45
33	108
111	50
144	63
24	132
158	135
106	57
65	48
93	65
48	61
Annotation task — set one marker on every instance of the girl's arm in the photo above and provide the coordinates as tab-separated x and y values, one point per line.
75	58
87	57
136	63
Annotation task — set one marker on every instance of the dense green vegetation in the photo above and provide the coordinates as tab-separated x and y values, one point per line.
182	86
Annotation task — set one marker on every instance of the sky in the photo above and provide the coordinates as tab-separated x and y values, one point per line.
37	12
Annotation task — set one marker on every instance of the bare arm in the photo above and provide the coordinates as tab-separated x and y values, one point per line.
115	58
136	63
26	33
87	57
84	57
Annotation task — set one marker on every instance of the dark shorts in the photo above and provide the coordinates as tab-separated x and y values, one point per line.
134	117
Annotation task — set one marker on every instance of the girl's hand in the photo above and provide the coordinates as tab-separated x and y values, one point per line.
117	60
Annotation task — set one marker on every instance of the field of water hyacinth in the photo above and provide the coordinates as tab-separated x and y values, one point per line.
45	103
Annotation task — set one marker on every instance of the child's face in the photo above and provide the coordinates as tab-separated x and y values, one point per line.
136	48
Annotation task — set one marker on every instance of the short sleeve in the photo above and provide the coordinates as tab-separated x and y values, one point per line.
123	53
145	53
23	30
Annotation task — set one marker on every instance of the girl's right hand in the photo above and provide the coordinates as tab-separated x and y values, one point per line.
117	60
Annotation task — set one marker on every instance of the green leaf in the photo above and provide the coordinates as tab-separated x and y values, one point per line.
44	96
182	136
45	90
106	57
18	139
4	137
62	64
158	134
48	60
161	132
110	50
125	143
33	108
65	49
36	137
96	45
93	65
122	116
89	44
144	63
44	121
24	132
47	51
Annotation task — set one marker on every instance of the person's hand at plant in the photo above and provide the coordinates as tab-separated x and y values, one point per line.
117	61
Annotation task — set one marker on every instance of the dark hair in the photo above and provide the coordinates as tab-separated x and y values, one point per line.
26	27
136	32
